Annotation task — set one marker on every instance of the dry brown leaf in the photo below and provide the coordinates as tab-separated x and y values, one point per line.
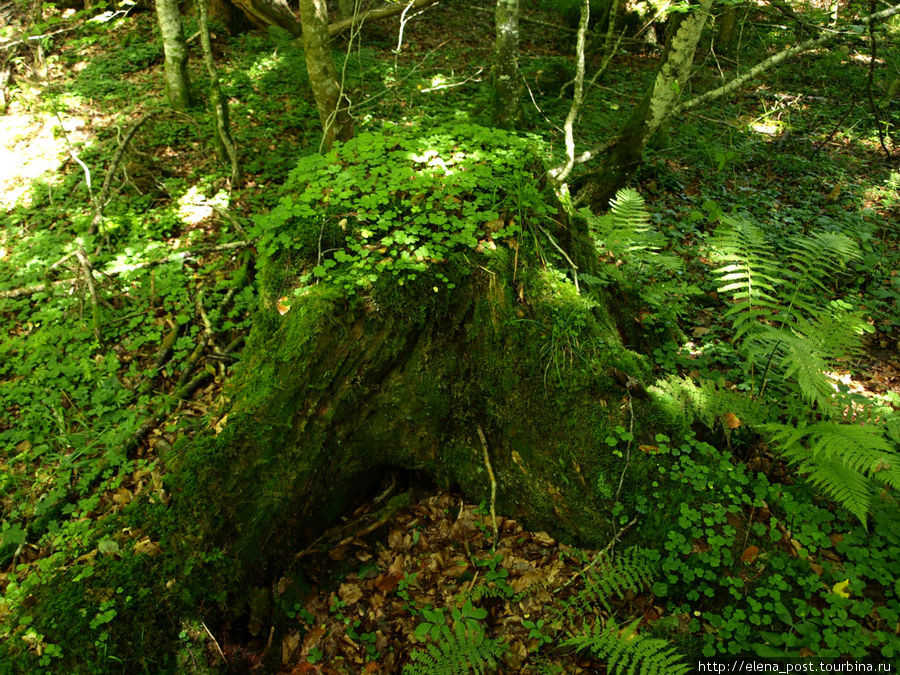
750	554
544	538
289	644
527	580
732	421
387	582
311	641
350	593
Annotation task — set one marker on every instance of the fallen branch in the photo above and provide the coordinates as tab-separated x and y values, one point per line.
775	59
100	201
599	556
339	27
184	393
89	281
528	19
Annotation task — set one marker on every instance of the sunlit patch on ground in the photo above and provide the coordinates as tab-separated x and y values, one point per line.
31	148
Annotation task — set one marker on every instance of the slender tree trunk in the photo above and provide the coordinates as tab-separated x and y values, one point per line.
224	141
507	107
725	39
175	47
658	104
323	76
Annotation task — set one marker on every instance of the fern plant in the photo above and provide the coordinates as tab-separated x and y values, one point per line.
627	233
625	651
462	649
776	309
785	331
631	570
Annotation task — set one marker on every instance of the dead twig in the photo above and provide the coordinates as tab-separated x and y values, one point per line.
101	200
89	282
339	27
599	556
175	257
216	642
490	470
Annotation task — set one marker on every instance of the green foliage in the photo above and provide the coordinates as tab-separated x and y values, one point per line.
627	233
456	650
785	329
612	577
628	652
847	461
396	205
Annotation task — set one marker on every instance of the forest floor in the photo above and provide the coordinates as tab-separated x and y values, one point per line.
174	294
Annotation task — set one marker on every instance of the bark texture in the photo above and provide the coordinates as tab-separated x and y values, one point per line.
726	38
658	104
507	106
176	54
332	105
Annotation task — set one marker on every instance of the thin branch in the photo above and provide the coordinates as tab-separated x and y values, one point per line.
528	19
180	255
339	27
775	59
89	281
628	449
100	202
876	111
563	172
599	556
490	470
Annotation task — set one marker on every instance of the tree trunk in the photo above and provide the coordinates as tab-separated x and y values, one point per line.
335	393
504	381
226	13
727	35
333	106
224	140
658	104
507	107
176	53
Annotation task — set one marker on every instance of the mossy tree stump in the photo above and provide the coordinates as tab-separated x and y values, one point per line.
416	337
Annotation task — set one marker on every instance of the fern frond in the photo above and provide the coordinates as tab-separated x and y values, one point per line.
461	650
815	258
626	229
707	401
750	274
632	570
629	210
846	461
628	652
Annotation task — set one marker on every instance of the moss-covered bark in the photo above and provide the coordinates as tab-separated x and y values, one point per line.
339	390
175	48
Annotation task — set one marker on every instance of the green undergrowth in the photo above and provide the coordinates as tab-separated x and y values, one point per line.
397	205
